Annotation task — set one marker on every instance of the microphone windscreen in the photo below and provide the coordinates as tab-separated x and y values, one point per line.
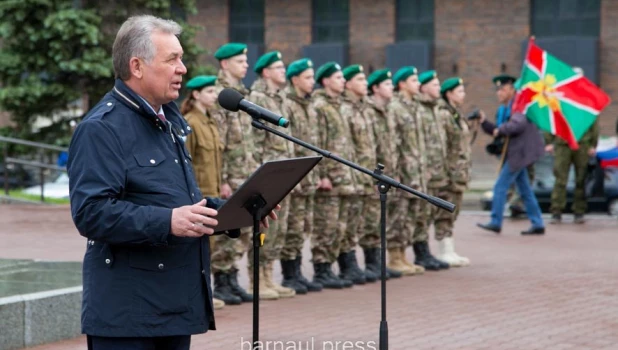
230	99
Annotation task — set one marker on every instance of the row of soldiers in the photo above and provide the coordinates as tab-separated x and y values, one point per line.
406	121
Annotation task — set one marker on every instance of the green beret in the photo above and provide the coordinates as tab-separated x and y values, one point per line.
450	83
201	81
502	79
326	70
427	76
404	73
266	60
297	67
230	50
350	72
378	76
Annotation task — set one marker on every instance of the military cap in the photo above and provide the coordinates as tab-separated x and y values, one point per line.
450	83
266	60
378	76
297	67
502	79
427	76
350	72
326	70
230	50
201	81
404	73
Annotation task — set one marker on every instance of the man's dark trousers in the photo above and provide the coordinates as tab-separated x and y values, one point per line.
181	342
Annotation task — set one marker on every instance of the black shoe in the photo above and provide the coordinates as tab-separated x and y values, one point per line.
237	289
534	231
311	286
423	258
579	219
290	280
346	283
437	262
489	227
223	290
373	262
323	277
370	276
556	219
348	268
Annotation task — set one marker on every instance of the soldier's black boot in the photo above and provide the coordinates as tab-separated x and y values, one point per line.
422	257
323	277
290	279
348	268
311	286
441	264
372	263
346	283
223	290
237	290
556	218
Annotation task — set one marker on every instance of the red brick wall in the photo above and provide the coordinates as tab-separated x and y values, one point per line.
287	27
478	36
372	27
609	64
214	17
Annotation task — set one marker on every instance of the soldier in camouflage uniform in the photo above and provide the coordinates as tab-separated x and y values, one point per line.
377	115
352	105
408	149
564	156
237	164
266	92
300	221
437	185
336	179
459	162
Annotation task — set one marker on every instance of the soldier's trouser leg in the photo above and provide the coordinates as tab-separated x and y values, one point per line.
325	239
275	237
397	235
295	237
443	220
580	163
420	222
562	165
224	254
433	214
369	233
309	218
345	206
354	222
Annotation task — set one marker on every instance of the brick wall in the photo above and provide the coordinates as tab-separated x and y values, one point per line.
478	37
287	27
372	27
609	64
214	17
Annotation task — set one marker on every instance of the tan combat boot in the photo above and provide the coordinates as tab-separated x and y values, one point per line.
395	262
283	292
218	303
266	293
418	270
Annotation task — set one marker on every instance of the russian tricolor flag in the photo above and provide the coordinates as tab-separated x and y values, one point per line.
607	152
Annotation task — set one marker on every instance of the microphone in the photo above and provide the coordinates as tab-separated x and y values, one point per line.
232	100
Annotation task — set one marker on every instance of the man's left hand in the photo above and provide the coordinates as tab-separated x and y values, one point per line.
496	132
272	215
592	152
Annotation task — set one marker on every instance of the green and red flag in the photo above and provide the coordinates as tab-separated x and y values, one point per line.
555	97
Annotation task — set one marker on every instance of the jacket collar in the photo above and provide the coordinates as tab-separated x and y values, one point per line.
128	97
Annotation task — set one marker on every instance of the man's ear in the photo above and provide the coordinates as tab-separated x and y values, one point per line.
136	67
224	64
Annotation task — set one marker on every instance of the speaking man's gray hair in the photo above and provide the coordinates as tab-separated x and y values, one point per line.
134	40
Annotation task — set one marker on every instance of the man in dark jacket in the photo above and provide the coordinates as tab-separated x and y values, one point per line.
523	147
146	271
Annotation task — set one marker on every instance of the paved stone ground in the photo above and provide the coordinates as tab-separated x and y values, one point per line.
558	291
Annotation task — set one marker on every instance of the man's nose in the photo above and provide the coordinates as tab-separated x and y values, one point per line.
182	69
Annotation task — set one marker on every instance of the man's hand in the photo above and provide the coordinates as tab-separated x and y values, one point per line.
592	152
325	185
483	116
272	215
496	132
549	148
226	191
193	220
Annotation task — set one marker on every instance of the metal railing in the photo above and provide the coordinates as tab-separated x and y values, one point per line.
41	165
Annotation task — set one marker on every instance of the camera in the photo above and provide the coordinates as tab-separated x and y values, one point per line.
475	114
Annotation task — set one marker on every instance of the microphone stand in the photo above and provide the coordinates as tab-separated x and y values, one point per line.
384	185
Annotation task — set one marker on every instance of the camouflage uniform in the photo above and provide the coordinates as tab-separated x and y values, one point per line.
437	185
271	147
459	162
238	163
300	222
331	207
363	153
563	158
410	160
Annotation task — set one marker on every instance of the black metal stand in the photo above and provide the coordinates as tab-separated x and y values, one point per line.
384	185
255	206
